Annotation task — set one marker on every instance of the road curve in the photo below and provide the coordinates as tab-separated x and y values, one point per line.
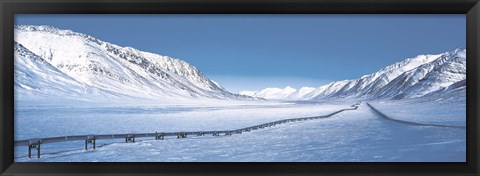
382	115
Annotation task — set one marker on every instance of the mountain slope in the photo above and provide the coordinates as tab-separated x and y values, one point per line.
118	70
448	69
33	75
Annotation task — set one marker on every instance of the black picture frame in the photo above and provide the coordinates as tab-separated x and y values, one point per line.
8	8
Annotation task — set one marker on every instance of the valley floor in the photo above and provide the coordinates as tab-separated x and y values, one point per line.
350	136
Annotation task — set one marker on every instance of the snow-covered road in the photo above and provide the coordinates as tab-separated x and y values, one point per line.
384	116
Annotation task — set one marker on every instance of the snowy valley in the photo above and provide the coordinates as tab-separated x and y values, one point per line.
69	83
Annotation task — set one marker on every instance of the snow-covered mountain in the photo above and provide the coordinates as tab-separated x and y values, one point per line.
413	77
447	70
51	61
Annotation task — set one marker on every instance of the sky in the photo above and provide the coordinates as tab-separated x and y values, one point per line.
253	52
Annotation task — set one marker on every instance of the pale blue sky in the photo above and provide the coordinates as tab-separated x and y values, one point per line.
252	52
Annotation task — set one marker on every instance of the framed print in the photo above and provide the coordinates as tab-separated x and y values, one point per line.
260	87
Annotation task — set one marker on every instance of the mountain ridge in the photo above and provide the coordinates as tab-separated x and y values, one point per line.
403	79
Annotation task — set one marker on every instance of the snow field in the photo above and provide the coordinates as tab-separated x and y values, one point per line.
350	136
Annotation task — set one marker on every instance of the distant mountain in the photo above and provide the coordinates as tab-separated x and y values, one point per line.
50	61
271	93
411	78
